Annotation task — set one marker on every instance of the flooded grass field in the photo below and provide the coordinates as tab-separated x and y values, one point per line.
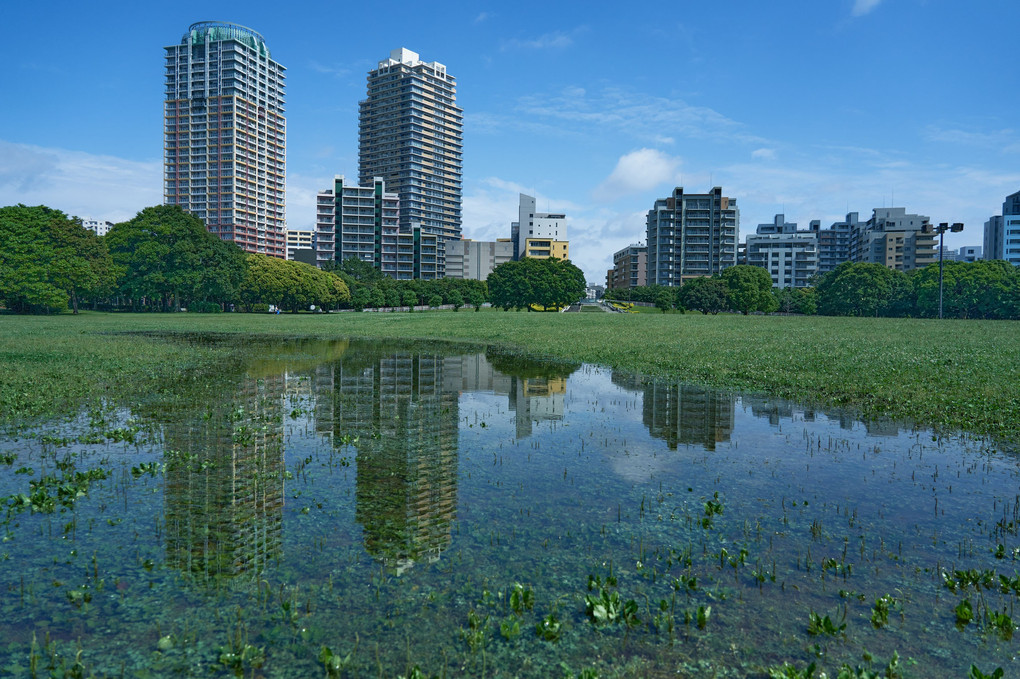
371	509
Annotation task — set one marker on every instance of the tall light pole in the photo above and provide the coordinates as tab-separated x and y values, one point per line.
941	229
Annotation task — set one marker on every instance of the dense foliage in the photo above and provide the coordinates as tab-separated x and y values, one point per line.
983	289
292	286
165	259
49	261
548	283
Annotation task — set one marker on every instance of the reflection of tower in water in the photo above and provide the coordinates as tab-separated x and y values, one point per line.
405	421
536	399
688	414
224	483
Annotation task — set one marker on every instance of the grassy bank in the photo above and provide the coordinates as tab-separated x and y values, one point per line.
949	374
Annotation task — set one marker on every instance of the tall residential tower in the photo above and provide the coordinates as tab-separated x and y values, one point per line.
410	135
224	157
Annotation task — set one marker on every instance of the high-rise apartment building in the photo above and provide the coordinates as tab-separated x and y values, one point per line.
410	134
225	135
993	238
691	235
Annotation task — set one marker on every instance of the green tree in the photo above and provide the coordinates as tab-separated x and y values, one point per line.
858	289
456	299
709	295
48	260
409	299
392	298
664	301
293	286
749	288
982	289
164	257
435	301
476	298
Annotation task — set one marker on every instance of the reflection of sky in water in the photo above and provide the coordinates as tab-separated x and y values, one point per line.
398	486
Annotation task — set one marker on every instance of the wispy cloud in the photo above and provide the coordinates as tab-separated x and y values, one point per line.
636	172
638	115
764	154
1006	140
80	184
483	16
553	40
862	7
335	70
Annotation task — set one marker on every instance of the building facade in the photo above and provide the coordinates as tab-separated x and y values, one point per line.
1011	229
834	243
895	239
363	222
630	268
299	240
993	238
790	256
475	259
538	235
410	134
691	235
225	135
97	226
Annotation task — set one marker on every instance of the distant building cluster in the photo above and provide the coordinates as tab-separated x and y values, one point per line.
225	162
690	235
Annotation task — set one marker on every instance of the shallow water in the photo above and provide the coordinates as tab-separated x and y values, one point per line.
363	508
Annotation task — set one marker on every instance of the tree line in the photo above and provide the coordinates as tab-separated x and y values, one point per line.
164	259
982	289
528	283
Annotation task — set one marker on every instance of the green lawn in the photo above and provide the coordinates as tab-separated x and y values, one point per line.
949	374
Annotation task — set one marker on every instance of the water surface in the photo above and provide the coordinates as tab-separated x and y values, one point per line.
364	508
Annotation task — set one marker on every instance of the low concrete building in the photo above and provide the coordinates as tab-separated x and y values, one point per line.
475	259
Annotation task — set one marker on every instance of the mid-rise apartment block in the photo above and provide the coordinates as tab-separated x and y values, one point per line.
225	135
1011	229
299	239
834	243
790	256
895	239
691	235
475	259
410	134
630	268
97	226
538	235
993	238
363	222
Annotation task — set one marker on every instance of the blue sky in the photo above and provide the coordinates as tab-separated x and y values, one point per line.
813	108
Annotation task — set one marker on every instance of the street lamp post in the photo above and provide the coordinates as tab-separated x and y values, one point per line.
941	229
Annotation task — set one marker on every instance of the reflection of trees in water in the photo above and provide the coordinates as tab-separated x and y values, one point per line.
682	414
224	482
404	417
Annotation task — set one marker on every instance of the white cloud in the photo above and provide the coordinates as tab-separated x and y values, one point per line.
862	7
638	171
764	154
483	16
80	184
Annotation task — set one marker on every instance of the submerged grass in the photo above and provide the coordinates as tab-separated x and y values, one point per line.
950	375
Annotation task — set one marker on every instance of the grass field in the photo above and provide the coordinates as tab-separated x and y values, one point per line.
951	375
